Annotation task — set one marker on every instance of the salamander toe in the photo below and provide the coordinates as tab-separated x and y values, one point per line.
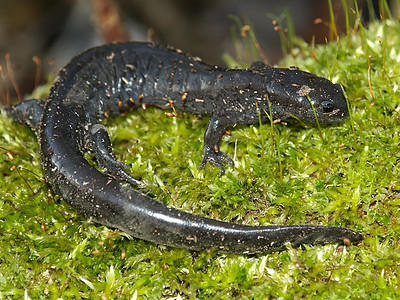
218	159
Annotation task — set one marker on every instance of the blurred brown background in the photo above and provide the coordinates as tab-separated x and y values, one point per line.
54	31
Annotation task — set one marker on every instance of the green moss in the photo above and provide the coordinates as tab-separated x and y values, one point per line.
340	177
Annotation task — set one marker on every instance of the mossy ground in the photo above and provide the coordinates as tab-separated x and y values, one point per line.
340	177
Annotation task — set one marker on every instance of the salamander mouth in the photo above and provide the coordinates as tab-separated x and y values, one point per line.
333	112
337	115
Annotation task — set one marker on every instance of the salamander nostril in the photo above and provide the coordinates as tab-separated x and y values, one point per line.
327	106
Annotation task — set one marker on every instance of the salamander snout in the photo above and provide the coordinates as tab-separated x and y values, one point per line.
331	105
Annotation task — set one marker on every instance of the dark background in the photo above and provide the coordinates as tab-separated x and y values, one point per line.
54	31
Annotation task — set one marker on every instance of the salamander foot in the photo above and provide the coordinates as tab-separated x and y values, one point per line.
218	159
101	146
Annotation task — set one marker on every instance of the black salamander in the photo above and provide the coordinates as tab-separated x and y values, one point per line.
112	79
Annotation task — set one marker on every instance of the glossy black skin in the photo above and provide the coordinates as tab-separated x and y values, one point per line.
109	80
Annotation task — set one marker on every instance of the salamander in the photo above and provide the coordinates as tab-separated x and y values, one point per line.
109	80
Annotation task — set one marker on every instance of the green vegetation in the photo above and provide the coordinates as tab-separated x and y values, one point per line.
347	175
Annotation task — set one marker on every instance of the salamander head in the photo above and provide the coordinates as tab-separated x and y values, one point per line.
293	91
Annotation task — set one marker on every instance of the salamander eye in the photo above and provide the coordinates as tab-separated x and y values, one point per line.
327	106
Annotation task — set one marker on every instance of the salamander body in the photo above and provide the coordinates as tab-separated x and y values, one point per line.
109	80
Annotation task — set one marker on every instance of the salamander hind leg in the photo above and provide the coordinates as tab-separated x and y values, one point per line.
100	145
212	138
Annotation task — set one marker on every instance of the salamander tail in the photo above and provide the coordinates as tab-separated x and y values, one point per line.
28	112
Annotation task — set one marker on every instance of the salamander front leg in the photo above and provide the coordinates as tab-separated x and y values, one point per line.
212	138
101	147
